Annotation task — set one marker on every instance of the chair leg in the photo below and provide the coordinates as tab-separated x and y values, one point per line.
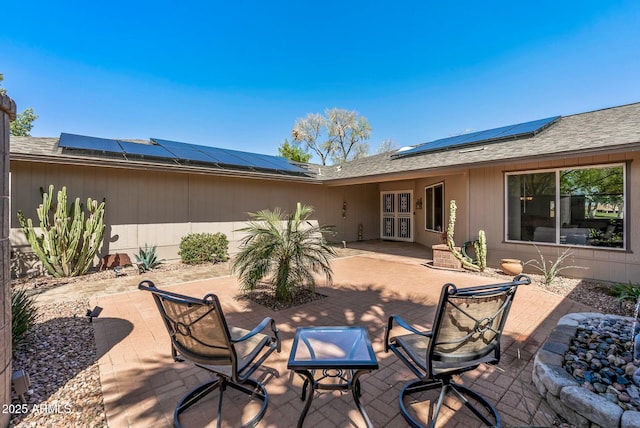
459	391
257	391
193	396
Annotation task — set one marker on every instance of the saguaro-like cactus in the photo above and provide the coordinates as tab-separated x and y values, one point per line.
480	245
65	243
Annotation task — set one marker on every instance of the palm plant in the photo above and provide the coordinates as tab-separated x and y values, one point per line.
283	250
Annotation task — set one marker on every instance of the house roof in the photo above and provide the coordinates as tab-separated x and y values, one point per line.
608	130
48	149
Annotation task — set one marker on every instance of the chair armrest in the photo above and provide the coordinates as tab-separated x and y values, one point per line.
402	323
260	327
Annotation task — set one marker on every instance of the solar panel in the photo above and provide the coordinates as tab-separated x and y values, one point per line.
488	136
184	151
228	157
281	163
73	141
141	149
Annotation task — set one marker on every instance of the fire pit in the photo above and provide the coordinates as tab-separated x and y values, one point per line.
582	378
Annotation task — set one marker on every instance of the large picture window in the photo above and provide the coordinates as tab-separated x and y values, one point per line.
434	207
576	206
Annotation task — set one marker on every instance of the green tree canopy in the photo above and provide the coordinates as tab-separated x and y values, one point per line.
21	127
293	152
339	135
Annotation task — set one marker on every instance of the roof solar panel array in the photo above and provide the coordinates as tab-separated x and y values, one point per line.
519	130
180	152
72	141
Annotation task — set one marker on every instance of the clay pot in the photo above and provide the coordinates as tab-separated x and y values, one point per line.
511	267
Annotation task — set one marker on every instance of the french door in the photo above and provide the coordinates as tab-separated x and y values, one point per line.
397	215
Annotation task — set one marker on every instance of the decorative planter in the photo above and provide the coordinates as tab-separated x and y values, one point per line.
511	267
444	258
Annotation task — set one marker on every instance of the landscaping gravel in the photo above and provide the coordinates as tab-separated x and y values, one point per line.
600	358
59	354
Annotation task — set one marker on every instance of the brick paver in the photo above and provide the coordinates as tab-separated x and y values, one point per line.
142	384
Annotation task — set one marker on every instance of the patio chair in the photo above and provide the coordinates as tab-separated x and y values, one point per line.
200	334
466	333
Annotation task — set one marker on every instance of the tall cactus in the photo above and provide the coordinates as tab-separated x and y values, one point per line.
480	245
67	243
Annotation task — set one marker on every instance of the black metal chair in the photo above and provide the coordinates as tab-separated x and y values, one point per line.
200	334
466	333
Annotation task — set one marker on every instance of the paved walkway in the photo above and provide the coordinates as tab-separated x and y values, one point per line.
141	383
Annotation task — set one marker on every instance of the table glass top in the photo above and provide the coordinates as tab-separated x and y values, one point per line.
323	347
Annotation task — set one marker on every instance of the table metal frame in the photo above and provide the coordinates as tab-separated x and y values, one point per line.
341	373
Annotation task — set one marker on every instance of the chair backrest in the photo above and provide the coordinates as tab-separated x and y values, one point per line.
469	323
197	327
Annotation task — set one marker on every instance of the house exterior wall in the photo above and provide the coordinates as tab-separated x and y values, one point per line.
159	208
455	187
486	204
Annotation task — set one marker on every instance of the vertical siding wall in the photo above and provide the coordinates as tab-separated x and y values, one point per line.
159	208
486	198
7	112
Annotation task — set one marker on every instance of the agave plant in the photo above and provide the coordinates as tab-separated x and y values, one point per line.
24	314
283	250
147	257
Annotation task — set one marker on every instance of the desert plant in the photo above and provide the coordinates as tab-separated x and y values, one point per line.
628	291
23	314
66	242
549	268
285	250
198	248
479	245
147	257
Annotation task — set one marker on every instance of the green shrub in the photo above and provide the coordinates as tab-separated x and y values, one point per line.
23	314
204	247
147	258
629	291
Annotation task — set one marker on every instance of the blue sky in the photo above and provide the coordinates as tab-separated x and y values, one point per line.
238	74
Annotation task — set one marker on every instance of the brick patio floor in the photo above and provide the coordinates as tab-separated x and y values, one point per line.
141	383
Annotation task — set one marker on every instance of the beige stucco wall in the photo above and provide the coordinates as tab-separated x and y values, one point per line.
159	208
486	197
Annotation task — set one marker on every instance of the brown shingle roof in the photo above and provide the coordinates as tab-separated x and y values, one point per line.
602	130
606	130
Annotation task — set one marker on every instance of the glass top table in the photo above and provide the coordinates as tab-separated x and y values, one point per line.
332	358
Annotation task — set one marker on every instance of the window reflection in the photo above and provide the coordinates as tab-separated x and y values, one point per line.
590	208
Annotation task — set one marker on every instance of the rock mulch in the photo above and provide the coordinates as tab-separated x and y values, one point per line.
59	354
600	358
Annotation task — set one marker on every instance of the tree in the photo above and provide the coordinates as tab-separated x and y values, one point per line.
307	131
24	121
348	134
293	152
387	146
339	135
287	250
